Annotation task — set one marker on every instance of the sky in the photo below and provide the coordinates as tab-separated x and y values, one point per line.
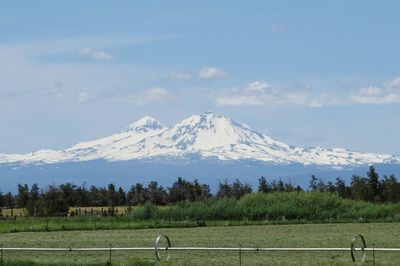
309	73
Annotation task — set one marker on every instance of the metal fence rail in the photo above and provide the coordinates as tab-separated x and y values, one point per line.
199	249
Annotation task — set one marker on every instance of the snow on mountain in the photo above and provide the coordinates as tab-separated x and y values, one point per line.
207	135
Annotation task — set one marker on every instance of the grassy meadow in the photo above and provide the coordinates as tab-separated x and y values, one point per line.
306	235
255	220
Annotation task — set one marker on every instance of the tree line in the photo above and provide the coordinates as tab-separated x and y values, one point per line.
372	188
54	200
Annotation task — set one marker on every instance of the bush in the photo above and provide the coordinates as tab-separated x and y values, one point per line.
312	206
146	211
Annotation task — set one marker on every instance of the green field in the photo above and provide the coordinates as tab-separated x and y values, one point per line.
305	235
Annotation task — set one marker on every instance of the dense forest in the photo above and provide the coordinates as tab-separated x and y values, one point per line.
55	200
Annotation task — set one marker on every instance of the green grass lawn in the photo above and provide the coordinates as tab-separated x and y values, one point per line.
303	235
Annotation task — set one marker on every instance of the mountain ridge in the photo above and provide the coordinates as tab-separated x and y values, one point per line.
207	136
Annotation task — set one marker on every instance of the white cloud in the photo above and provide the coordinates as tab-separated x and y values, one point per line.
387	94
26	77
276	27
59	97
179	76
84	97
148	96
257	86
376	100
370	91
211	73
225	100
394	83
260	93
97	55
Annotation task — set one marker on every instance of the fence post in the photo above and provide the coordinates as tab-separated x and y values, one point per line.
240	255
373	254
110	262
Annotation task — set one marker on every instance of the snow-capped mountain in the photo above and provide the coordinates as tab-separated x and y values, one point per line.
207	136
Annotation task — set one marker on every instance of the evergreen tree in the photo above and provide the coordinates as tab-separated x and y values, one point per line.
94	196
289	187
313	183
330	187
263	185
390	189
54	203
373	181
9	200
178	190
1	200
224	190
112	195
68	190
23	195
82	196
359	188
136	194
35	204
239	189
121	197
321	186
298	189
205	192
280	186
341	188
156	194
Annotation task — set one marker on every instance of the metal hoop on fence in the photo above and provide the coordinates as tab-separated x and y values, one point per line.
157	247
353	248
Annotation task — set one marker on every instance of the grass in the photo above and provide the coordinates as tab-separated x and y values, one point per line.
53	224
301	235
45	224
256	220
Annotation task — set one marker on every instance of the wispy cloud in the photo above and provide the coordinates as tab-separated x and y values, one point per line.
26	77
93	54
386	94
276	27
256	93
260	93
79	43
257	86
152	95
84	97
211	73
224	100
179	76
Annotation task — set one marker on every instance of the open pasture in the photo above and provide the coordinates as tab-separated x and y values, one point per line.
305	235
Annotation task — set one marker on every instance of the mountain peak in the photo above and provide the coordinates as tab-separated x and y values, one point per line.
204	118
144	124
208	135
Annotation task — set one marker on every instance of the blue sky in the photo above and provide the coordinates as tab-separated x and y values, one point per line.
310	73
